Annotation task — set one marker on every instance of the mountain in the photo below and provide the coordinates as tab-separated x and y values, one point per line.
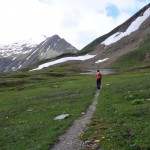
23	54
125	38
103	52
131	36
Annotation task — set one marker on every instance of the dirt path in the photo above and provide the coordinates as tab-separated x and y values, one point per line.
70	140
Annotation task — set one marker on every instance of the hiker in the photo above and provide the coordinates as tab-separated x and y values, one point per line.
98	79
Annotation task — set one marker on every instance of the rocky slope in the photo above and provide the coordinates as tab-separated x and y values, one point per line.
104	51
21	55
106	46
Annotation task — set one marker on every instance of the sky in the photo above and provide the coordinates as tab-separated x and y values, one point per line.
78	21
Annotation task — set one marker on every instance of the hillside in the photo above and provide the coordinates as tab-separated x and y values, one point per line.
105	50
137	59
121	28
125	44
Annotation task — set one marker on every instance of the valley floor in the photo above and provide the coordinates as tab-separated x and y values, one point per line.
71	139
29	102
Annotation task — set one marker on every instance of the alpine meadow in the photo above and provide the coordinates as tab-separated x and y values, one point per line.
42	81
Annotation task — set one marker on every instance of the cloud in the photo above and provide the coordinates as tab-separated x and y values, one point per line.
79	21
20	19
46	1
71	18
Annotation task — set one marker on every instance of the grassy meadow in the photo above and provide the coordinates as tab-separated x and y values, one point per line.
30	101
121	120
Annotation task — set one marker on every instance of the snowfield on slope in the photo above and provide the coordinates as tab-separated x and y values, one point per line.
16	48
133	27
99	61
61	60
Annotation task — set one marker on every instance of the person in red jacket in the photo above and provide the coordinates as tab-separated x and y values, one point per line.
98	76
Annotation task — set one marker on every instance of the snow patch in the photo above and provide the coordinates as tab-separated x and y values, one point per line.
48	48
28	57
55	44
44	42
25	52
20	66
99	61
61	60
133	27
13	58
31	54
13	69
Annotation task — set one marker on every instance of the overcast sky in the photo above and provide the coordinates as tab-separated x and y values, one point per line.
77	21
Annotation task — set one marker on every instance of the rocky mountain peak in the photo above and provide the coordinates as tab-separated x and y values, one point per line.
55	37
21	55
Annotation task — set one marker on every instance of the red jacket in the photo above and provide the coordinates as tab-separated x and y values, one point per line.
98	75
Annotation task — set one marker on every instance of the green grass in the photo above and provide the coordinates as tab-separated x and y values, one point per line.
121	120
135	59
30	101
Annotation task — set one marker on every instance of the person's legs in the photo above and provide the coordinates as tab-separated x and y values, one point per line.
98	83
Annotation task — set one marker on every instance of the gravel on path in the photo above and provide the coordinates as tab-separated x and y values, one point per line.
70	139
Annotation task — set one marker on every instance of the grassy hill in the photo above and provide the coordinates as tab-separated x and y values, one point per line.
139	58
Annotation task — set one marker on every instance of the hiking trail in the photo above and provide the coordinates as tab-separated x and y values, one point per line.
70	139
